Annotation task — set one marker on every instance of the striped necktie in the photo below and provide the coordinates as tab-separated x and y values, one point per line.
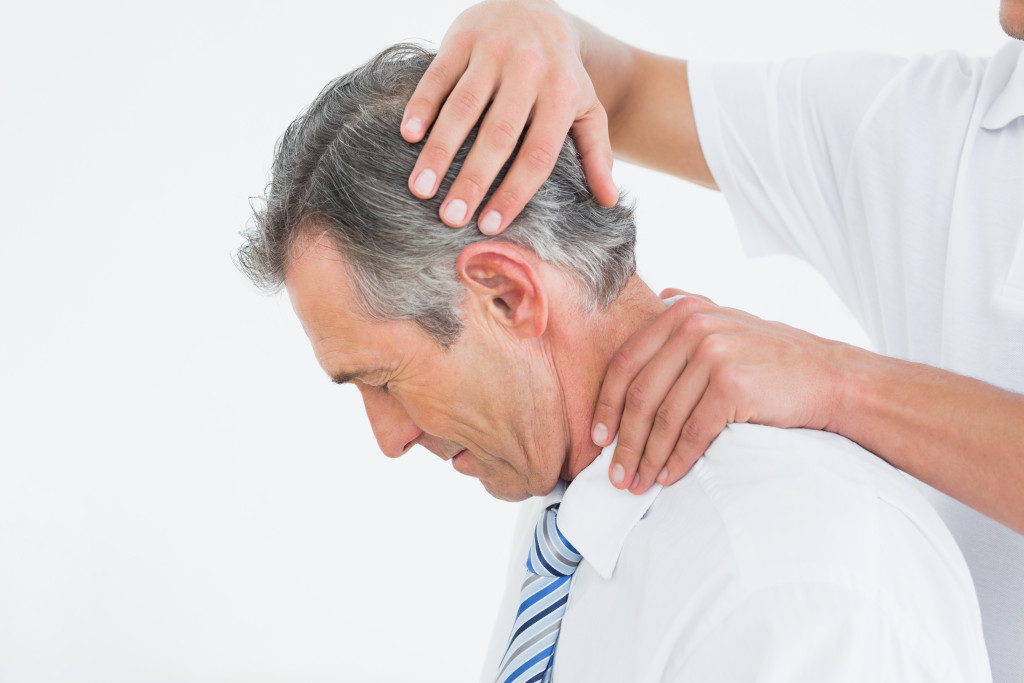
531	647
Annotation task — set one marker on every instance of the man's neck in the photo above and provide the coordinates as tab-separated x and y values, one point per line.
587	349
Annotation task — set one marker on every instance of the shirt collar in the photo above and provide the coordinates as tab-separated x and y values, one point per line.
1008	104
596	517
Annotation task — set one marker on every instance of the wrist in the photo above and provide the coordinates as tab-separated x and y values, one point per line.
884	407
856	391
582	38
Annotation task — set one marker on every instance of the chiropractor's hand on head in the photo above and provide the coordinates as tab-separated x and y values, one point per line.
673	386
521	58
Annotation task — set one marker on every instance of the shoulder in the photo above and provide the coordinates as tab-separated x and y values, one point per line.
767	507
809	523
836	93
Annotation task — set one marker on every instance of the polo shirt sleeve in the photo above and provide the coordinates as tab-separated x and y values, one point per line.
778	139
808	632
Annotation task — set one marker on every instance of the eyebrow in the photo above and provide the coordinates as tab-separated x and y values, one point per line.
346	377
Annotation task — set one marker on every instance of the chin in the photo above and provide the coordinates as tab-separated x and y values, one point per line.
517	494
502	494
513	498
1011	18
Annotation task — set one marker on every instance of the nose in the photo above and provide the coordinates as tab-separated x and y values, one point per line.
395	431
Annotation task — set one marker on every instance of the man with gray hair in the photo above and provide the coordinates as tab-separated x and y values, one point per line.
786	555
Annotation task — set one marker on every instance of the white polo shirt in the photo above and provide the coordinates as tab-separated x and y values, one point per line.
902	182
785	555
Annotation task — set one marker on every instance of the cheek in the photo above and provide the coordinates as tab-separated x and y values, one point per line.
433	411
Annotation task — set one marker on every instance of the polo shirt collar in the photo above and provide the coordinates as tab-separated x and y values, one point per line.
1008	104
596	517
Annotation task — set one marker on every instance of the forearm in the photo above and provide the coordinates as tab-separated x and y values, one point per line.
959	435
647	98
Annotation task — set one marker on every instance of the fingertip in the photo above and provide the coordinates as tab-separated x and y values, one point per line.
679	464
454	213
641	481
490	224
607	197
412	128
595	148
605	191
617	475
600	435
423	184
639	489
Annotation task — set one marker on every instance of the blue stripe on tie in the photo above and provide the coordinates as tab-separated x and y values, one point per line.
543	654
565	540
540	594
540	615
536	547
556	558
529	563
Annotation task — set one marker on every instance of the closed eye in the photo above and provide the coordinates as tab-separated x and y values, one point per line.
370	377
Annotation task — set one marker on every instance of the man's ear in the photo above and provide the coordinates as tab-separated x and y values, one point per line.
505	286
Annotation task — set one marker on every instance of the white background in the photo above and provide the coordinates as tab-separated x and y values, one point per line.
183	495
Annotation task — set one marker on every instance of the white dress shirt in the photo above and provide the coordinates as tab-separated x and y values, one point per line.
785	555
902	182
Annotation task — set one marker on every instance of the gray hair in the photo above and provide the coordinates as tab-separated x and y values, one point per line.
342	167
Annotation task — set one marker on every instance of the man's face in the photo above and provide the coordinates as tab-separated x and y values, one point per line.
475	404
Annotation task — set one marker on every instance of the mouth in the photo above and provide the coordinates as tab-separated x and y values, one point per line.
452	456
461	462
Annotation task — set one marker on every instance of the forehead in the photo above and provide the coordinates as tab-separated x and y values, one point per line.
321	292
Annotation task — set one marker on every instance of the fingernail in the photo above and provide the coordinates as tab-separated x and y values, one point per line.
490	223
636	481
455	212
600	434
425	182
663	475
414	125
618	474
